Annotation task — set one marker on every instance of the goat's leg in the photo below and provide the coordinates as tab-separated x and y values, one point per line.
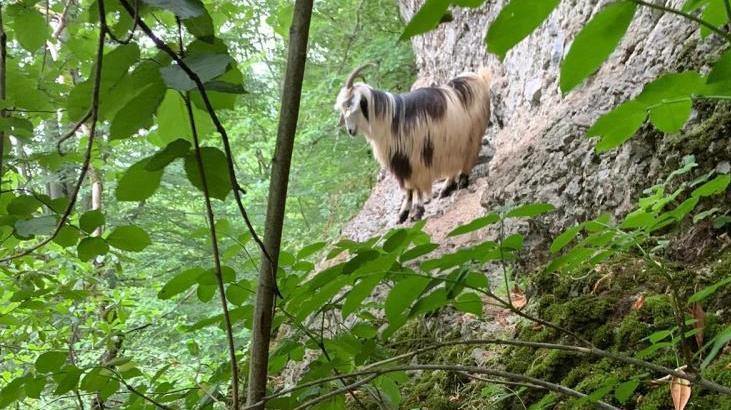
463	181
419	206
405	206
450	184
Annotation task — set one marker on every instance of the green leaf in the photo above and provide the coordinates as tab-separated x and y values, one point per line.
515	22
238	293
91	220
137	183
715	14
475	225
625	390
671	116
718	342
402	295
201	27
50	361
137	113
34	386
180	283
595	42
469	303
638	219
66	380
129	238
417	251
692	5
310	249
430	302
708	291
206	66
713	187
364	331
671	86
43	225
91	247
173	122
23	205
67	236
397	239
564	238
359	292
530	210
216	172
176	149
618	125
205	292
721	70
184	9
426	19
31	29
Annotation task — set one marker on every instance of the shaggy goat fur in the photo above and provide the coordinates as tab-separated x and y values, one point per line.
423	135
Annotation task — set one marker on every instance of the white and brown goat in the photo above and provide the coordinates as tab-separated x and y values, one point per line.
423	135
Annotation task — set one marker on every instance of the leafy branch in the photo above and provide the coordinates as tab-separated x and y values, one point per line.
94	115
726	36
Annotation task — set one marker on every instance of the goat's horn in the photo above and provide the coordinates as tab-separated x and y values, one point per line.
354	74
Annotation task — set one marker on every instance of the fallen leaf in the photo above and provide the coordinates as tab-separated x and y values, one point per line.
518	298
639	302
680	392
700	316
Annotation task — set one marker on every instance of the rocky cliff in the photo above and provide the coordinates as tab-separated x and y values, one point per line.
540	149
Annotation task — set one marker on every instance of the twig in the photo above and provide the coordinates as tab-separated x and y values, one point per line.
214	118
471	369
72	131
131	34
216	252
133	390
336	392
727	5
688	16
87	155
505	382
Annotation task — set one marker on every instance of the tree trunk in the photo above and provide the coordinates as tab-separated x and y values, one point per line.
289	111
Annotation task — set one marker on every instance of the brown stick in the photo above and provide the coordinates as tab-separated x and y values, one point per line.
289	111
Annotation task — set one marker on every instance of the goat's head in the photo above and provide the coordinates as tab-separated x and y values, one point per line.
352	104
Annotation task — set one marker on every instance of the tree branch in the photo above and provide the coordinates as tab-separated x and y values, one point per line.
214	244
471	369
92	131
723	34
236	187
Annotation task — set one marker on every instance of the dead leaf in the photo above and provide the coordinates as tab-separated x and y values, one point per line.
518	298
680	392
639	302
700	316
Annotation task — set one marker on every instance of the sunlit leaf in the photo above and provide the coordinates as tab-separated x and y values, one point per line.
595	42
515	22
92	247
426	19
137	183
91	220
129	238
51	361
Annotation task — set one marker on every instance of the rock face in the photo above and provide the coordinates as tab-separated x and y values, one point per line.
541	152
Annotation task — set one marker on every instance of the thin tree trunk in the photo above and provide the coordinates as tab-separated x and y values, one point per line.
289	111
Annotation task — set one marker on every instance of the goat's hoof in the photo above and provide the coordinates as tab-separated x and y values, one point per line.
418	213
402	216
464	181
447	191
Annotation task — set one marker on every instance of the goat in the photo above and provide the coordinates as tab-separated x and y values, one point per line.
423	135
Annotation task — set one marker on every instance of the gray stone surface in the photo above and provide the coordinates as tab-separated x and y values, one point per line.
541	152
